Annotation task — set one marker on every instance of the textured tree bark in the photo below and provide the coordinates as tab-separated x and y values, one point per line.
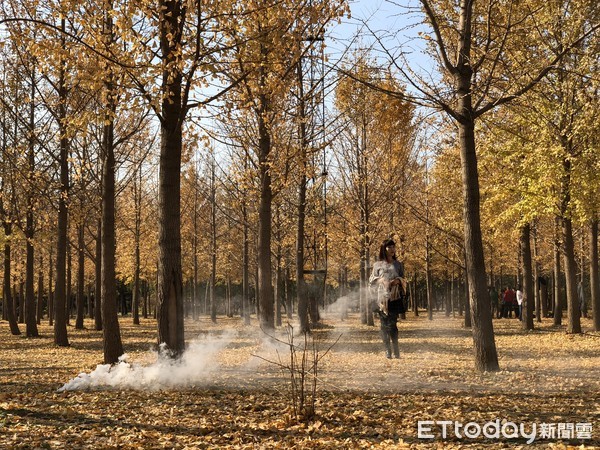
195	286
246	268
170	280
50	290
466	303
113	347
573	313
31	329
557	309
98	280
169	307
594	276
30	308
68	288
301	299
486	357
60	300
40	295
135	304
80	276
528	282
265	277
539	306
7	294
428	280
213	243
568	247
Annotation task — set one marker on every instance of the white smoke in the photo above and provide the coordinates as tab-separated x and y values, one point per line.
197	363
343	304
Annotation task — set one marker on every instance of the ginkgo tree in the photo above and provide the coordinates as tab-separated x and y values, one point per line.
372	156
482	49
551	165
266	43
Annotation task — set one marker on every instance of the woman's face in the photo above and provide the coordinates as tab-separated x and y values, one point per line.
390	251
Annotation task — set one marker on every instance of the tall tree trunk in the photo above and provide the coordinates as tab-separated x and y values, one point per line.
7	299
594	276
448	299
31	329
364	292
90	307
68	288
135	307
278	286
557	310
169	307
146	289
265	278
301	297
135	304
568	248
453	293
288	294
7	294
540	309
448	286
229	305
573	313
363	173
428	280
40	294
301	294
195	290
80	276
486	357
98	280
112	345
22	304
213	242
60	298
50	289
466	301
528	283
246	267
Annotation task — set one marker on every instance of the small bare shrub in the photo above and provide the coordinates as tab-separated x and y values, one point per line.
302	368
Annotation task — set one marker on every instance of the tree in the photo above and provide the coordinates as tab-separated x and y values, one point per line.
30	307
266	45
377	138
112	344
478	46
8	305
60	297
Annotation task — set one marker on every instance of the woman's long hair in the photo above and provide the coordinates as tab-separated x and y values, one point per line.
382	253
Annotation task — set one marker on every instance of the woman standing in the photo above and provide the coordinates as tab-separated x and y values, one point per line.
519	310
388	274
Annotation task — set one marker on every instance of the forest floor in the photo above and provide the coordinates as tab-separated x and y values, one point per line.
225	393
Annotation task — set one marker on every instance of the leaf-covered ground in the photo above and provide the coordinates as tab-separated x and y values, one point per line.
227	395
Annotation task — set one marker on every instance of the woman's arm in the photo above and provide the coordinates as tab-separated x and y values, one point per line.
375	276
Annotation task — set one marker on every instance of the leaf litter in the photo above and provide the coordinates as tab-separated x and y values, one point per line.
227	395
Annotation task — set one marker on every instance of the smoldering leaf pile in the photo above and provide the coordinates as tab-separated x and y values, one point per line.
196	364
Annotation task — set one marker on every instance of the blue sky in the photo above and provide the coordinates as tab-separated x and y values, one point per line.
396	23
